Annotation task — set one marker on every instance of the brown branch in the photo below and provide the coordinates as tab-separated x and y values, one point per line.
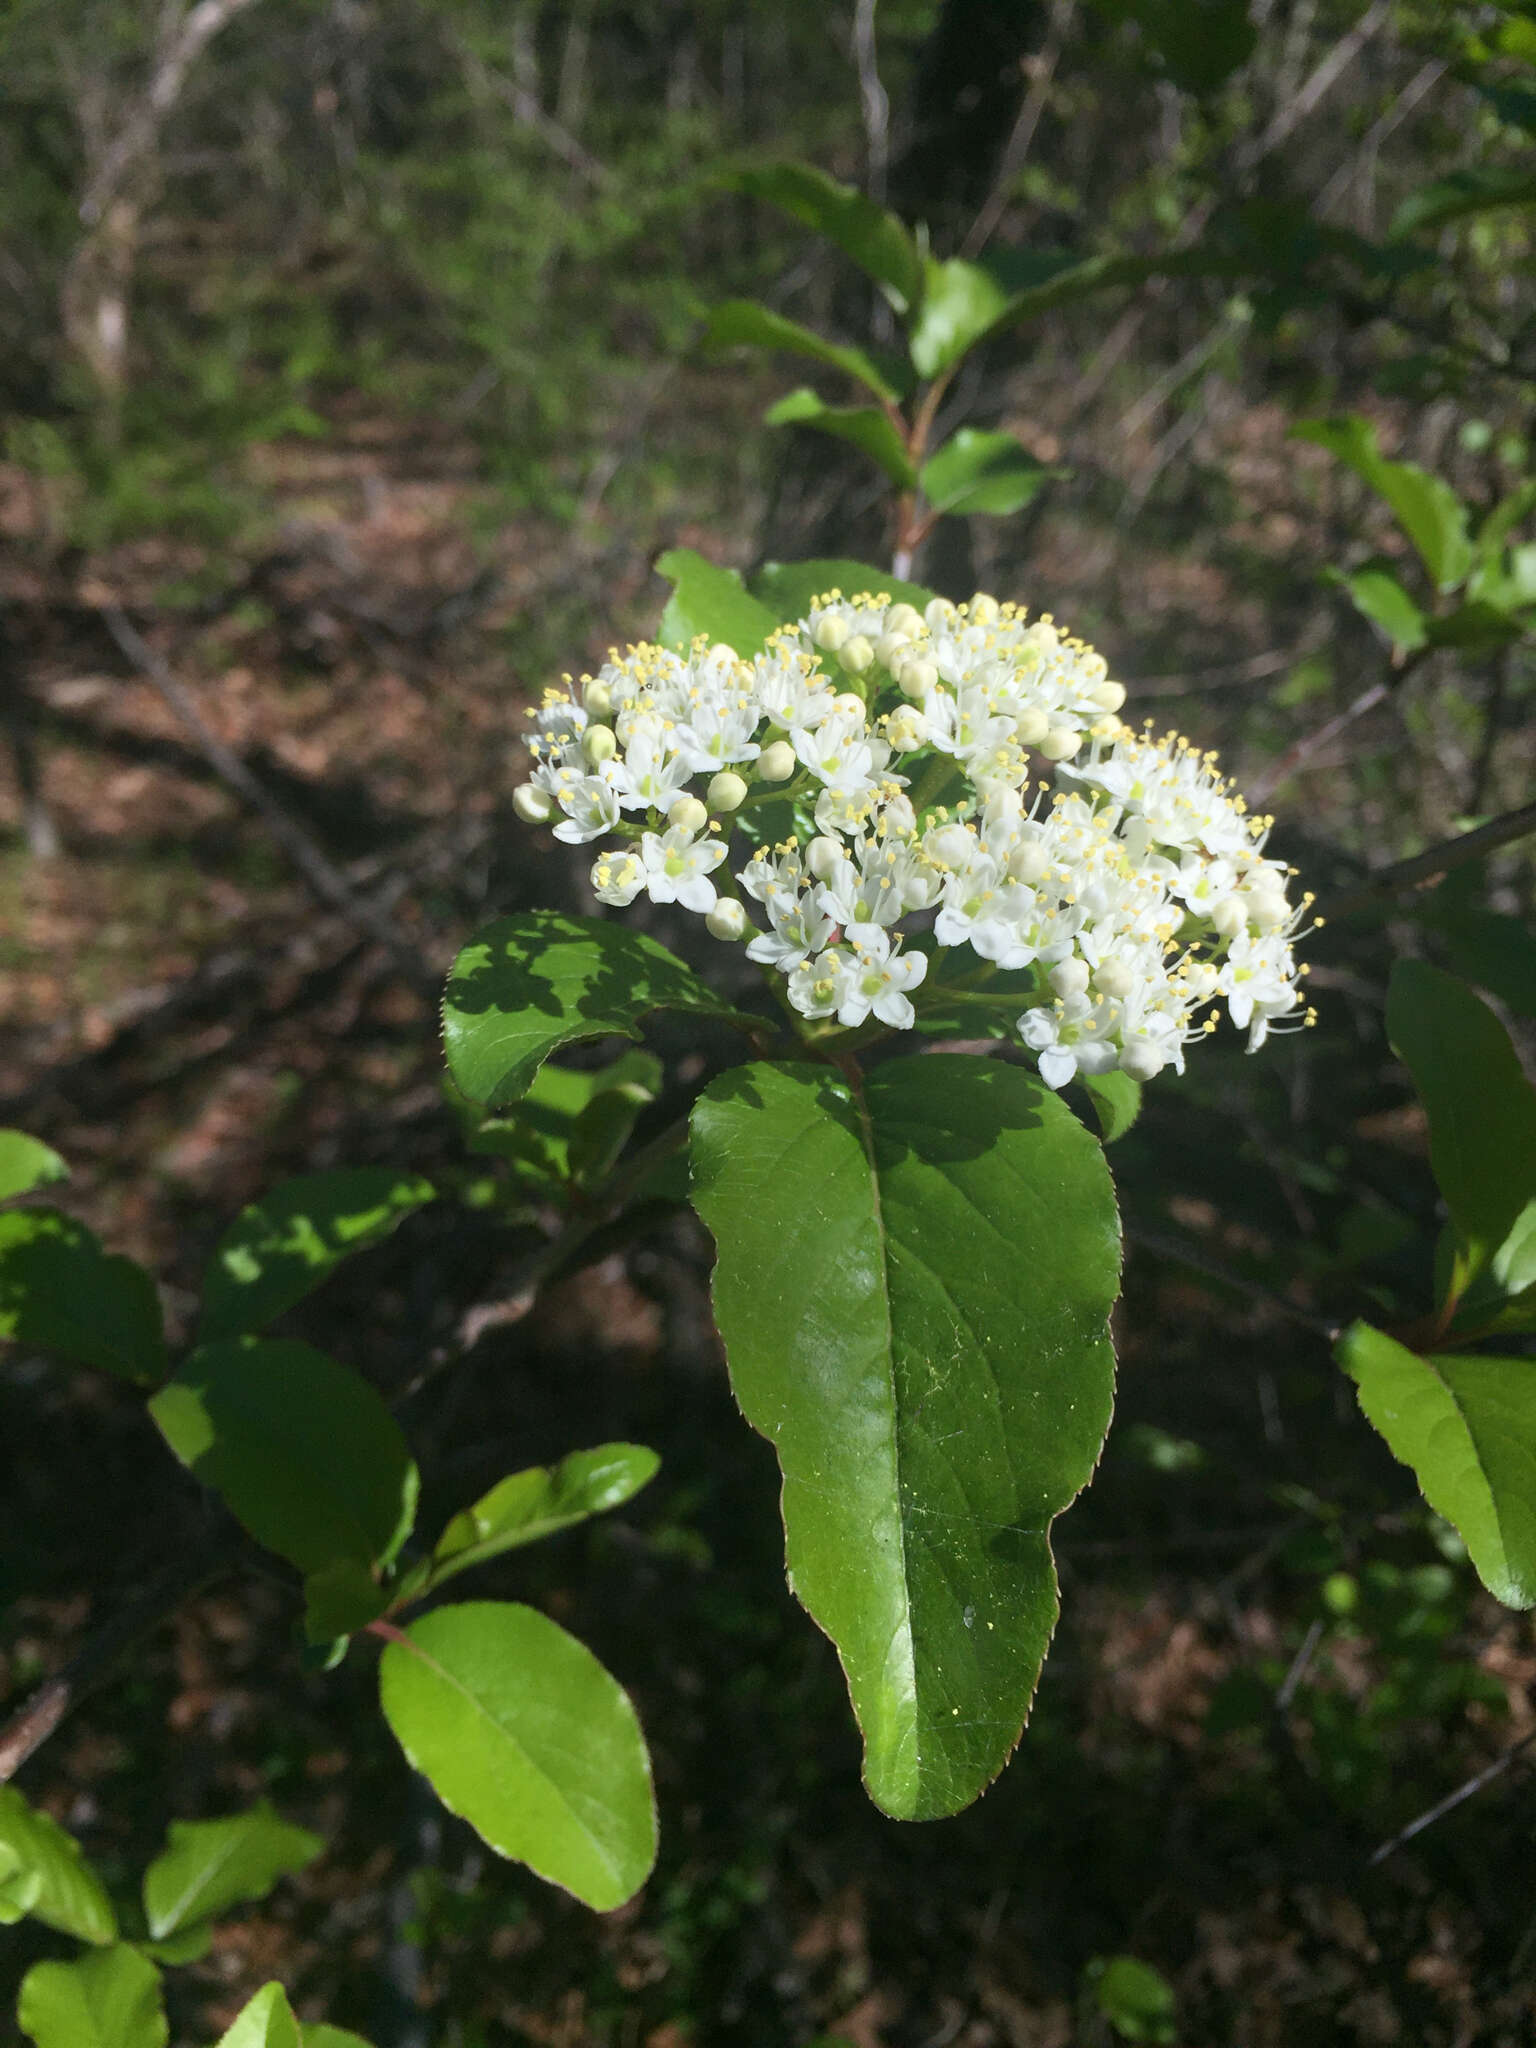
1439	860
1042	70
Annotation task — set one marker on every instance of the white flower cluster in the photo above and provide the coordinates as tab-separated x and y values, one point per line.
1136	889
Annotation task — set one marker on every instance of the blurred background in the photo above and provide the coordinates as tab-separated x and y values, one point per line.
350	386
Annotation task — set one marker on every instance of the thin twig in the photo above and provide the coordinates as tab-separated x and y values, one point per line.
1439	860
1017	147
1313	742
1452	1800
1187	1255
326	880
1299	1664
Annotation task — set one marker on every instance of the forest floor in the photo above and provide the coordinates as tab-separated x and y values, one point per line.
1215	1752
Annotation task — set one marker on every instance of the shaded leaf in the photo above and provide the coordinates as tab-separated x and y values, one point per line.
1476	628
977	472
929	1265
1477	189
282	1247
207	1866
790	588
48	1870
187	1945
340	1599
875	239
1116	1100
1137	2001
522	1733
743	323
322	2035
527	1506
108	1999
866	426
299	1446
27	1163
1481	1108
1467	1429
60	1291
1425	506
1376	592
529	984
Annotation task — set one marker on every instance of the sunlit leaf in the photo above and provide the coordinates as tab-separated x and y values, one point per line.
790	588
709	600
527	1506
522	1733
875	239
1425	506
208	1866
743	323
61	1292
27	1163
108	1999
866	426
1376	592
47	1869
982	472
265	2021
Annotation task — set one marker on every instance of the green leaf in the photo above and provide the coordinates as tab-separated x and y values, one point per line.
929	1265
523	1734
1200	42
743	323
19	1887
866	426
301	1448
109	1999
1467	1428
265	2021
207	1866
342	1598
1425	506
1512	510
1478	189
709	600
60	1291
1496	951
875	239
322	2035
1476	628
1376	592
977	472
1116	1100
67	1893
570	1124
529	984
1134	1998
528	1506
188	1945
27	1163
1481	1108
283	1246
790	588
961	303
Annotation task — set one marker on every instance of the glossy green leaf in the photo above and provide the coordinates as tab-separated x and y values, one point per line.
913	1286
790	588
1466	1427
875	239
300	1447
108	1999
866	426
522	1733
283	1246
61	1292
1481	1108
529	984
1477	189
207	1866
1116	1100
19	1886
27	1163
980	472
67	1893
1137	2002
961	303
1425	506
265	2021
569	1124
709	600
527	1506
1376	593
743	323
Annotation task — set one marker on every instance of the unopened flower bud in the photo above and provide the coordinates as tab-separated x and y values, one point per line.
1268	909
727	920
950	845
1230	915
1043	635
891	650
1114	979
777	763
1200	981
938	612
824	856
1029	863
856	655
532	804
1031	726
920	892
1108	696
848	704
599	744
983	609
688	815
916	678
830	633
1141	1059
597	697
1070	978
1061	743
726	792
904	619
